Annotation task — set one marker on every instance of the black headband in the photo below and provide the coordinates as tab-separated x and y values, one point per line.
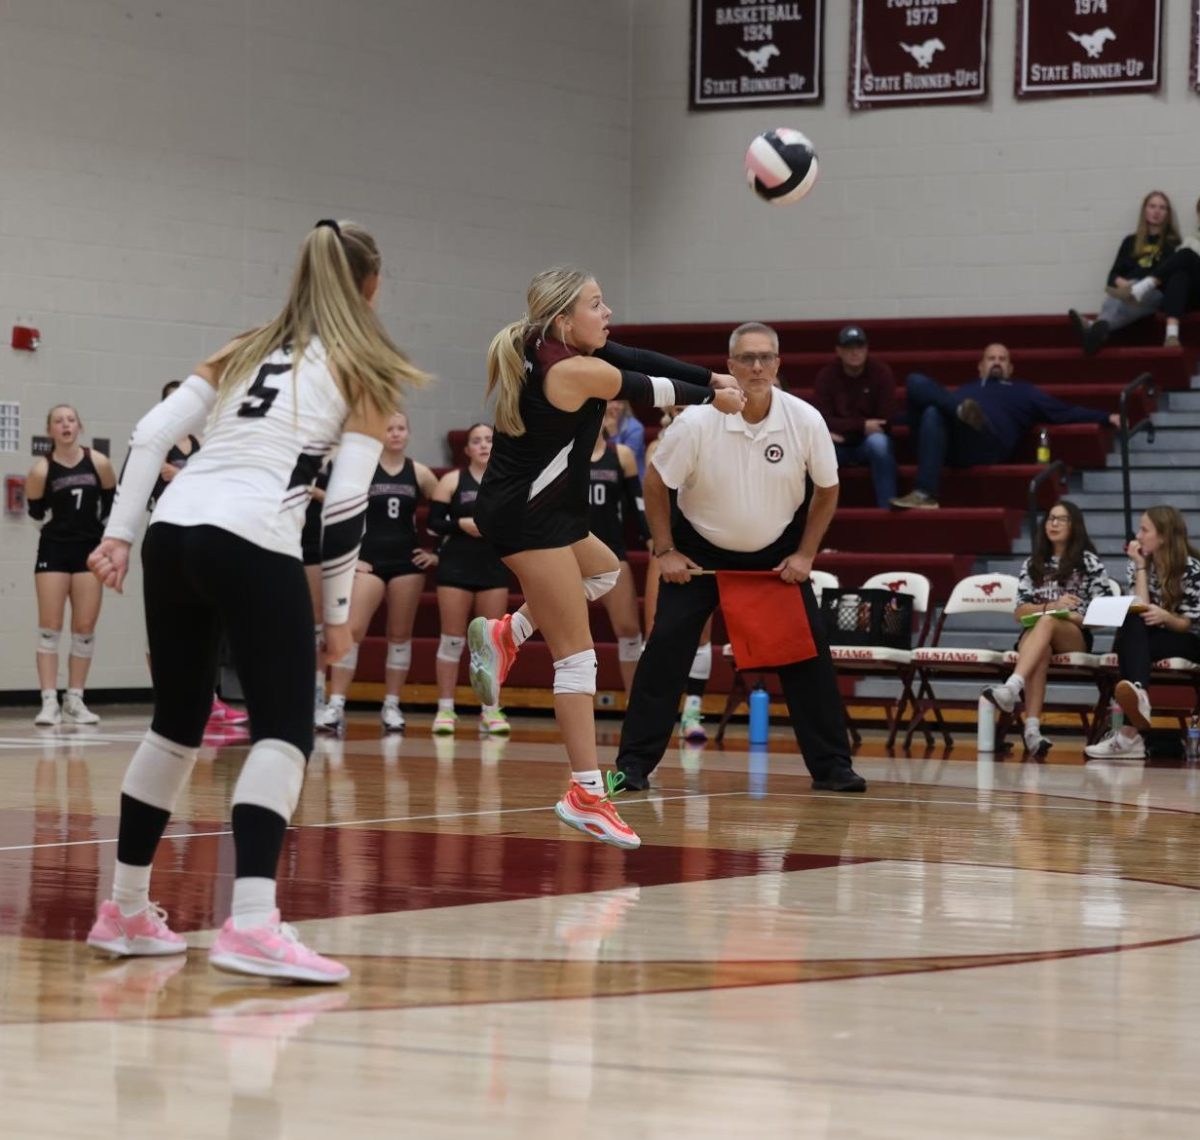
331	224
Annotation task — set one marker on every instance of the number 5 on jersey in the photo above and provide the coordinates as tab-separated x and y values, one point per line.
260	395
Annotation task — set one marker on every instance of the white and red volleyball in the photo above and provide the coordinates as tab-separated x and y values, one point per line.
781	166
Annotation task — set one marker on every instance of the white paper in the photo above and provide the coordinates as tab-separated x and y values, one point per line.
1108	611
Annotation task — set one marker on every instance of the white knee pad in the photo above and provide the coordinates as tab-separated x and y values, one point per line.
701	668
599	584
399	654
271	777
82	644
576	674
629	648
451	648
349	661
158	771
48	640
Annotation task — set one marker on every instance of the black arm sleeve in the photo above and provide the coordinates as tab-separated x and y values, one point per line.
631	485
107	494
638	388
652	363
36	509
440	522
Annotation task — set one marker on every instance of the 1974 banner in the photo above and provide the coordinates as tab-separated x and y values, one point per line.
918	51
1088	47
746	53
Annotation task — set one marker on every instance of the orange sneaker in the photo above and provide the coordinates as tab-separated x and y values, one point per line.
492	653
596	816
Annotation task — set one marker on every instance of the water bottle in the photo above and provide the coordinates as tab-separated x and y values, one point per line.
985	734
1193	740
1043	447
760	715
759	763
1116	717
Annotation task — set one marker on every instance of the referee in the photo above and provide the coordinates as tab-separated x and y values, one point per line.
741	482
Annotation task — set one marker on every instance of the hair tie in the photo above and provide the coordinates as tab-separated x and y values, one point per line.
331	224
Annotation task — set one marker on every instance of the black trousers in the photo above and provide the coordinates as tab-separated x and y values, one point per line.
1139	645
199	581
809	687
1179	277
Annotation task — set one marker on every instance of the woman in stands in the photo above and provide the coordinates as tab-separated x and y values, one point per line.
391	565
470	578
1164	575
74	485
615	493
1057	581
622	426
1156	236
1175	281
223	553
553	372
691	721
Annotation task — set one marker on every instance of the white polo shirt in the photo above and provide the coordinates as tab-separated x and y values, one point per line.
741	484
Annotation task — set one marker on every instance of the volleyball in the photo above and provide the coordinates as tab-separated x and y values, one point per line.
781	166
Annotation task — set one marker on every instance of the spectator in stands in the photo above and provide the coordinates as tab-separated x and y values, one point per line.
1140	252
982	422
622	426
1057	581
1164	575
857	396
1177	279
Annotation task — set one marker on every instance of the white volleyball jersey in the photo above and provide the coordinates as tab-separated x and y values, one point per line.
262	451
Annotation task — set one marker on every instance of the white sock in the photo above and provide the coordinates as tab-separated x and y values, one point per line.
445	704
1017	683
691	701
75	693
489	710
131	888
590	781
1172	327
50	695
337	700
1128	732
253	902
1033	726
521	627
391	700
1142	288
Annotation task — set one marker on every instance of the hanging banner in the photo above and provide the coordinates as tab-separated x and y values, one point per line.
918	51
746	53
1088	47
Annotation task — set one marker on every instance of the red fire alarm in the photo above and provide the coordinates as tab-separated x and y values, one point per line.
25	338
14	495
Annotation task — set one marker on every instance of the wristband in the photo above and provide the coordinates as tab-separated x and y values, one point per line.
660	553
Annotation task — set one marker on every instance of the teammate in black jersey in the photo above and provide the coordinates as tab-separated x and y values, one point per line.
310	552
74	485
553	372
615	492
392	565
470	577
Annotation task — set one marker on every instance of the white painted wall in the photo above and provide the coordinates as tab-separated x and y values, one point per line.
163	158
1002	207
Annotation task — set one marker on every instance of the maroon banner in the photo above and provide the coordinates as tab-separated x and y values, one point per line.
1088	47
918	51
746	53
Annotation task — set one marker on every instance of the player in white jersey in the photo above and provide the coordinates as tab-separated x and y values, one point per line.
223	551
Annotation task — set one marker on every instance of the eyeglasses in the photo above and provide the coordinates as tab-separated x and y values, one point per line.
750	359
1058	519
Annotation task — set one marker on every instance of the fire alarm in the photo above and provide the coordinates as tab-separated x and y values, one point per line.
25	338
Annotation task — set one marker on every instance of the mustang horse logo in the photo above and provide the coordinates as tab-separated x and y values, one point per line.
924	53
1093	43
990	588
759	57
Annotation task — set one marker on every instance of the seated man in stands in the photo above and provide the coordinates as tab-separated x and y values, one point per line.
982	422
857	396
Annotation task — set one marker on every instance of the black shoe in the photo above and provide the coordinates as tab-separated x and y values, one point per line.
1079	325
1095	337
841	779
634	781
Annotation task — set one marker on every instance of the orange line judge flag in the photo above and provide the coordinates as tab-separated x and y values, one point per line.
766	618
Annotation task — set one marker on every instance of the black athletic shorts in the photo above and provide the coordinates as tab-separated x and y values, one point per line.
387	569
56	557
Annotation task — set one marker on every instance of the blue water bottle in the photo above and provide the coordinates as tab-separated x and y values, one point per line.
760	715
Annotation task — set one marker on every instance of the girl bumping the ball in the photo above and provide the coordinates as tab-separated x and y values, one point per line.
552	372
223	553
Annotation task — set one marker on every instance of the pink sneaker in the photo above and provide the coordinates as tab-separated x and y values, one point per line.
272	951
492	655
140	935
226	714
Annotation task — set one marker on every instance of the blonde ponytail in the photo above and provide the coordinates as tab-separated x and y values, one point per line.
326	301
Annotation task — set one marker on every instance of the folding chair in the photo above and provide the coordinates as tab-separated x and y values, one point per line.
977	593
884	661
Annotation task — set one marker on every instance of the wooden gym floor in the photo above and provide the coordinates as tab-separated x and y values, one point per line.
971	949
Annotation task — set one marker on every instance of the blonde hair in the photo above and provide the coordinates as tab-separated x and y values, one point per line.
70	407
552	292
1169	238
326	301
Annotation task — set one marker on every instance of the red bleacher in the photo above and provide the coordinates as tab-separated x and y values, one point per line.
982	508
